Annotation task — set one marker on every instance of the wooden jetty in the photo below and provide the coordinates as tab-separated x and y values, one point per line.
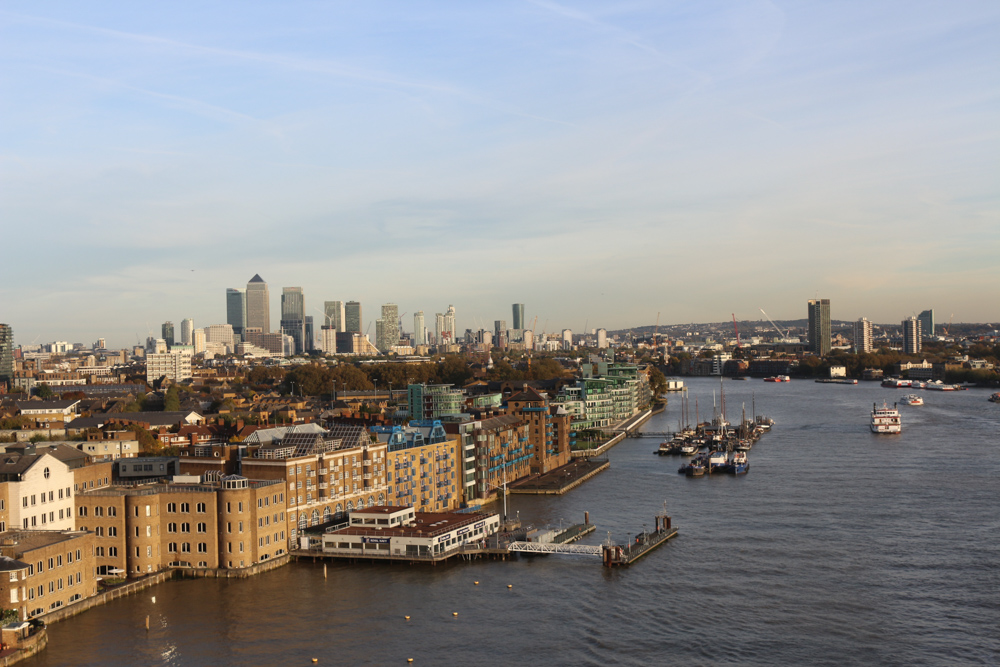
618	555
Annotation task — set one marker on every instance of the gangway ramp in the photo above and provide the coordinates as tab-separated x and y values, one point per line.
553	548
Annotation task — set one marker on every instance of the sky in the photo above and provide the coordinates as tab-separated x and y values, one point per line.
600	162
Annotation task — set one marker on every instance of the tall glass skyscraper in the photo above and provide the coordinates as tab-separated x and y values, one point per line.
419	328
168	333
293	316
352	317
6	353
926	323
334	312
236	312
820	332
518	315
258	304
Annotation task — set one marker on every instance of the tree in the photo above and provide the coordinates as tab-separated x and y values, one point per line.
657	382
43	391
172	401
351	378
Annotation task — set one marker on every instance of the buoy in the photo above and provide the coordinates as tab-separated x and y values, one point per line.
407	617
409	660
154	599
315	659
477	583
509	586
454	613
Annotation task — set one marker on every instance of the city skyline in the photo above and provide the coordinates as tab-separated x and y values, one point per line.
847	150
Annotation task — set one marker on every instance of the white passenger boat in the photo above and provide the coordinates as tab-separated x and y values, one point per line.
886	419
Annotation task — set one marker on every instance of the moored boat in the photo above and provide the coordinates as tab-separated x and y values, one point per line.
912	399
886	419
738	464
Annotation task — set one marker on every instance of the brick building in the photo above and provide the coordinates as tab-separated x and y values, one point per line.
44	570
548	429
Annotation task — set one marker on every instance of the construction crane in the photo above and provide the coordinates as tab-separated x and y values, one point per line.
782	333
737	331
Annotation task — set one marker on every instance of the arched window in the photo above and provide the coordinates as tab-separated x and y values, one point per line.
381	499
302	521
350	506
326	514
371	501
340	508
315	518
361	503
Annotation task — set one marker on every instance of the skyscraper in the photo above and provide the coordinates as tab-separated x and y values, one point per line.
602	339
911	336
449	323
518	315
499	328
293	316
334	312
820	333
236	311
6	353
926	323
258	305
310	334
168	333
352	317
187	331
387	336
438	328
862	336
419	329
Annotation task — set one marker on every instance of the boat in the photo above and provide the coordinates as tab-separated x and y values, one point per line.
896	383
689	448
995	398
912	399
764	423
886	419
717	461
937	385
738	463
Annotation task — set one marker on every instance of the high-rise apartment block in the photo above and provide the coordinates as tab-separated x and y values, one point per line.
567	339
258	308
187	331
236	310
334	315
863	336
352	317
6	353
499	328
449	324
168	333
602	339
175	366
419	329
926	323
911	336
820	333
387	334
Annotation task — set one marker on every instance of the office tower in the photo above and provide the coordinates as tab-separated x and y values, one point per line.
567	339
911	335
387	333
101	344
168	332
310	341
926	323
499	329
198	341
602	339
187	331
293	316
862	336
419	331
518	315
236	311
334	315
438	328
352	317
258	305
6	353
449	323
220	333
820	334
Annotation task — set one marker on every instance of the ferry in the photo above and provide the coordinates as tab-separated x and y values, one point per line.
778	378
937	385
913	399
896	383
886	419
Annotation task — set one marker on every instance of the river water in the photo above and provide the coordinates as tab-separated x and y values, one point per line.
838	547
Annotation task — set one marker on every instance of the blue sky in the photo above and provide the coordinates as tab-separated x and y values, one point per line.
600	162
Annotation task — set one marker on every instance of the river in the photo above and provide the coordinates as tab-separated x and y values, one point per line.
838	547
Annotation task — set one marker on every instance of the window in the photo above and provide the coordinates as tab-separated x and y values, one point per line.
202	528
201	508
45	473
186	508
147	510
112	531
98	511
172	507
149	552
171	527
112	552
113	511
186	547
99	551
202	548
83	511
172	547
185	528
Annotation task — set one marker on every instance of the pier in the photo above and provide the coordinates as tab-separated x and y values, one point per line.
560	480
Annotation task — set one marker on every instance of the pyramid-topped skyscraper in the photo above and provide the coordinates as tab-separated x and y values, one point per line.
258	305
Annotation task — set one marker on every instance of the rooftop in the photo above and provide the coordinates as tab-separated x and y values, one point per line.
22	541
426	524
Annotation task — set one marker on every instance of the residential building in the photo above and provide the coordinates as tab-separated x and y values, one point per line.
602	339
449	332
175	366
548	428
819	332
387	334
912	335
272	342
926	318
328	340
168	333
236	310
333	312
220	333
198	341
48	414
419	328
502	454
433	401
258	305
422	466
863	342
187	331
567	339
352	317
45	570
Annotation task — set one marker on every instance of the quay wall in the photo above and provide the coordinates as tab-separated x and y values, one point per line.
26	648
105	597
241	573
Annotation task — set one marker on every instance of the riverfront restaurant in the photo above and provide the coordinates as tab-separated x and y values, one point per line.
399	532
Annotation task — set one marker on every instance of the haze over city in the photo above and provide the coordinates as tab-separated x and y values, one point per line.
599	163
